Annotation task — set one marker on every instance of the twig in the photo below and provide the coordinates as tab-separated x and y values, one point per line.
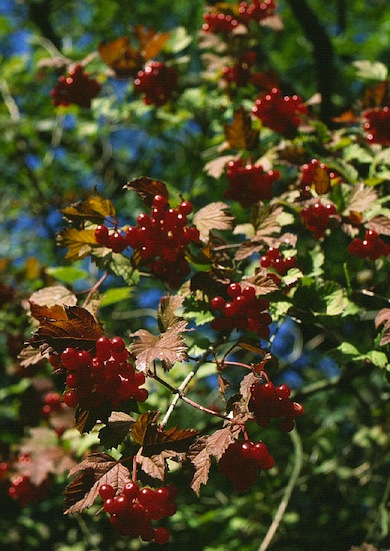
9	101
298	460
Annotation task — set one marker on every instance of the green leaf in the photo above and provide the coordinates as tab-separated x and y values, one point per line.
112	296
370	70
67	274
379	359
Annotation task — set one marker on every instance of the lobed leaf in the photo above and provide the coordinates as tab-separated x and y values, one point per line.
212	217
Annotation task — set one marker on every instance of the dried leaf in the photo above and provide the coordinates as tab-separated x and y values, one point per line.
53	296
79	329
202	464
146	433
31	356
96	469
361	198
153	466
95	209
118	427
147	188
216	167
240	134
321	180
262	283
246	384
223	385
212	217
87	419
78	242
379	224
169	347
166	315
218	442
383	317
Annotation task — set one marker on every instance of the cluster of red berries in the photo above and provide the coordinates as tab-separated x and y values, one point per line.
242	461
268	401
107	377
257	10
240	73
77	87
161	239
280	113
308	174
275	260
316	217
52	402
132	511
372	247
243	311
157	81
249	183
24	492
378	125
220	22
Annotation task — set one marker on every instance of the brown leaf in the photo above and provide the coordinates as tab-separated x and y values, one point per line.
321	180
169	347
166	314
262	283
48	313
95	209
118	427
151	42
246	384
383	317
87	419
79	242
53	296
153	466
146	433
96	469
361	198
216	167
147	188
121	57
240	134
31	356
379	224
223	385
202	464
79	330
218	442
212	217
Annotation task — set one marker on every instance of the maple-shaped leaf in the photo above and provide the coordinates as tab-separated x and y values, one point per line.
87	419
383	318
118	427
202	464
168	347
216	167
121	57
53	296
31	356
166	314
94	209
95	470
78	329
240	134
78	242
262	283
321	180
153	466
212	217
361	198
147	188
380	224
45	455
221	439
146	433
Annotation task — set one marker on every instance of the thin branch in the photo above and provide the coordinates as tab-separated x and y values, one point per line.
298	460
9	101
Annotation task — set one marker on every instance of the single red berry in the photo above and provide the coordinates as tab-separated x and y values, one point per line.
106	491
117	344
102	235
161	535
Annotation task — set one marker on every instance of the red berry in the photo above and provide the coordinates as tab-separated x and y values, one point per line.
161	535
71	399
117	345
106	491
101	235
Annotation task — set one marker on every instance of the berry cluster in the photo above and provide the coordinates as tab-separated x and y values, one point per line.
109	376
275	260
268	401
249	183
257	10
52	403
280	113
372	247
161	239
242	461
243	310
157	81
378	125
240	74
132	511
316	217
215	22
308	172
25	492
77	87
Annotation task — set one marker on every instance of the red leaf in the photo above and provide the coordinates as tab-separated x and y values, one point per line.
202	464
147	188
